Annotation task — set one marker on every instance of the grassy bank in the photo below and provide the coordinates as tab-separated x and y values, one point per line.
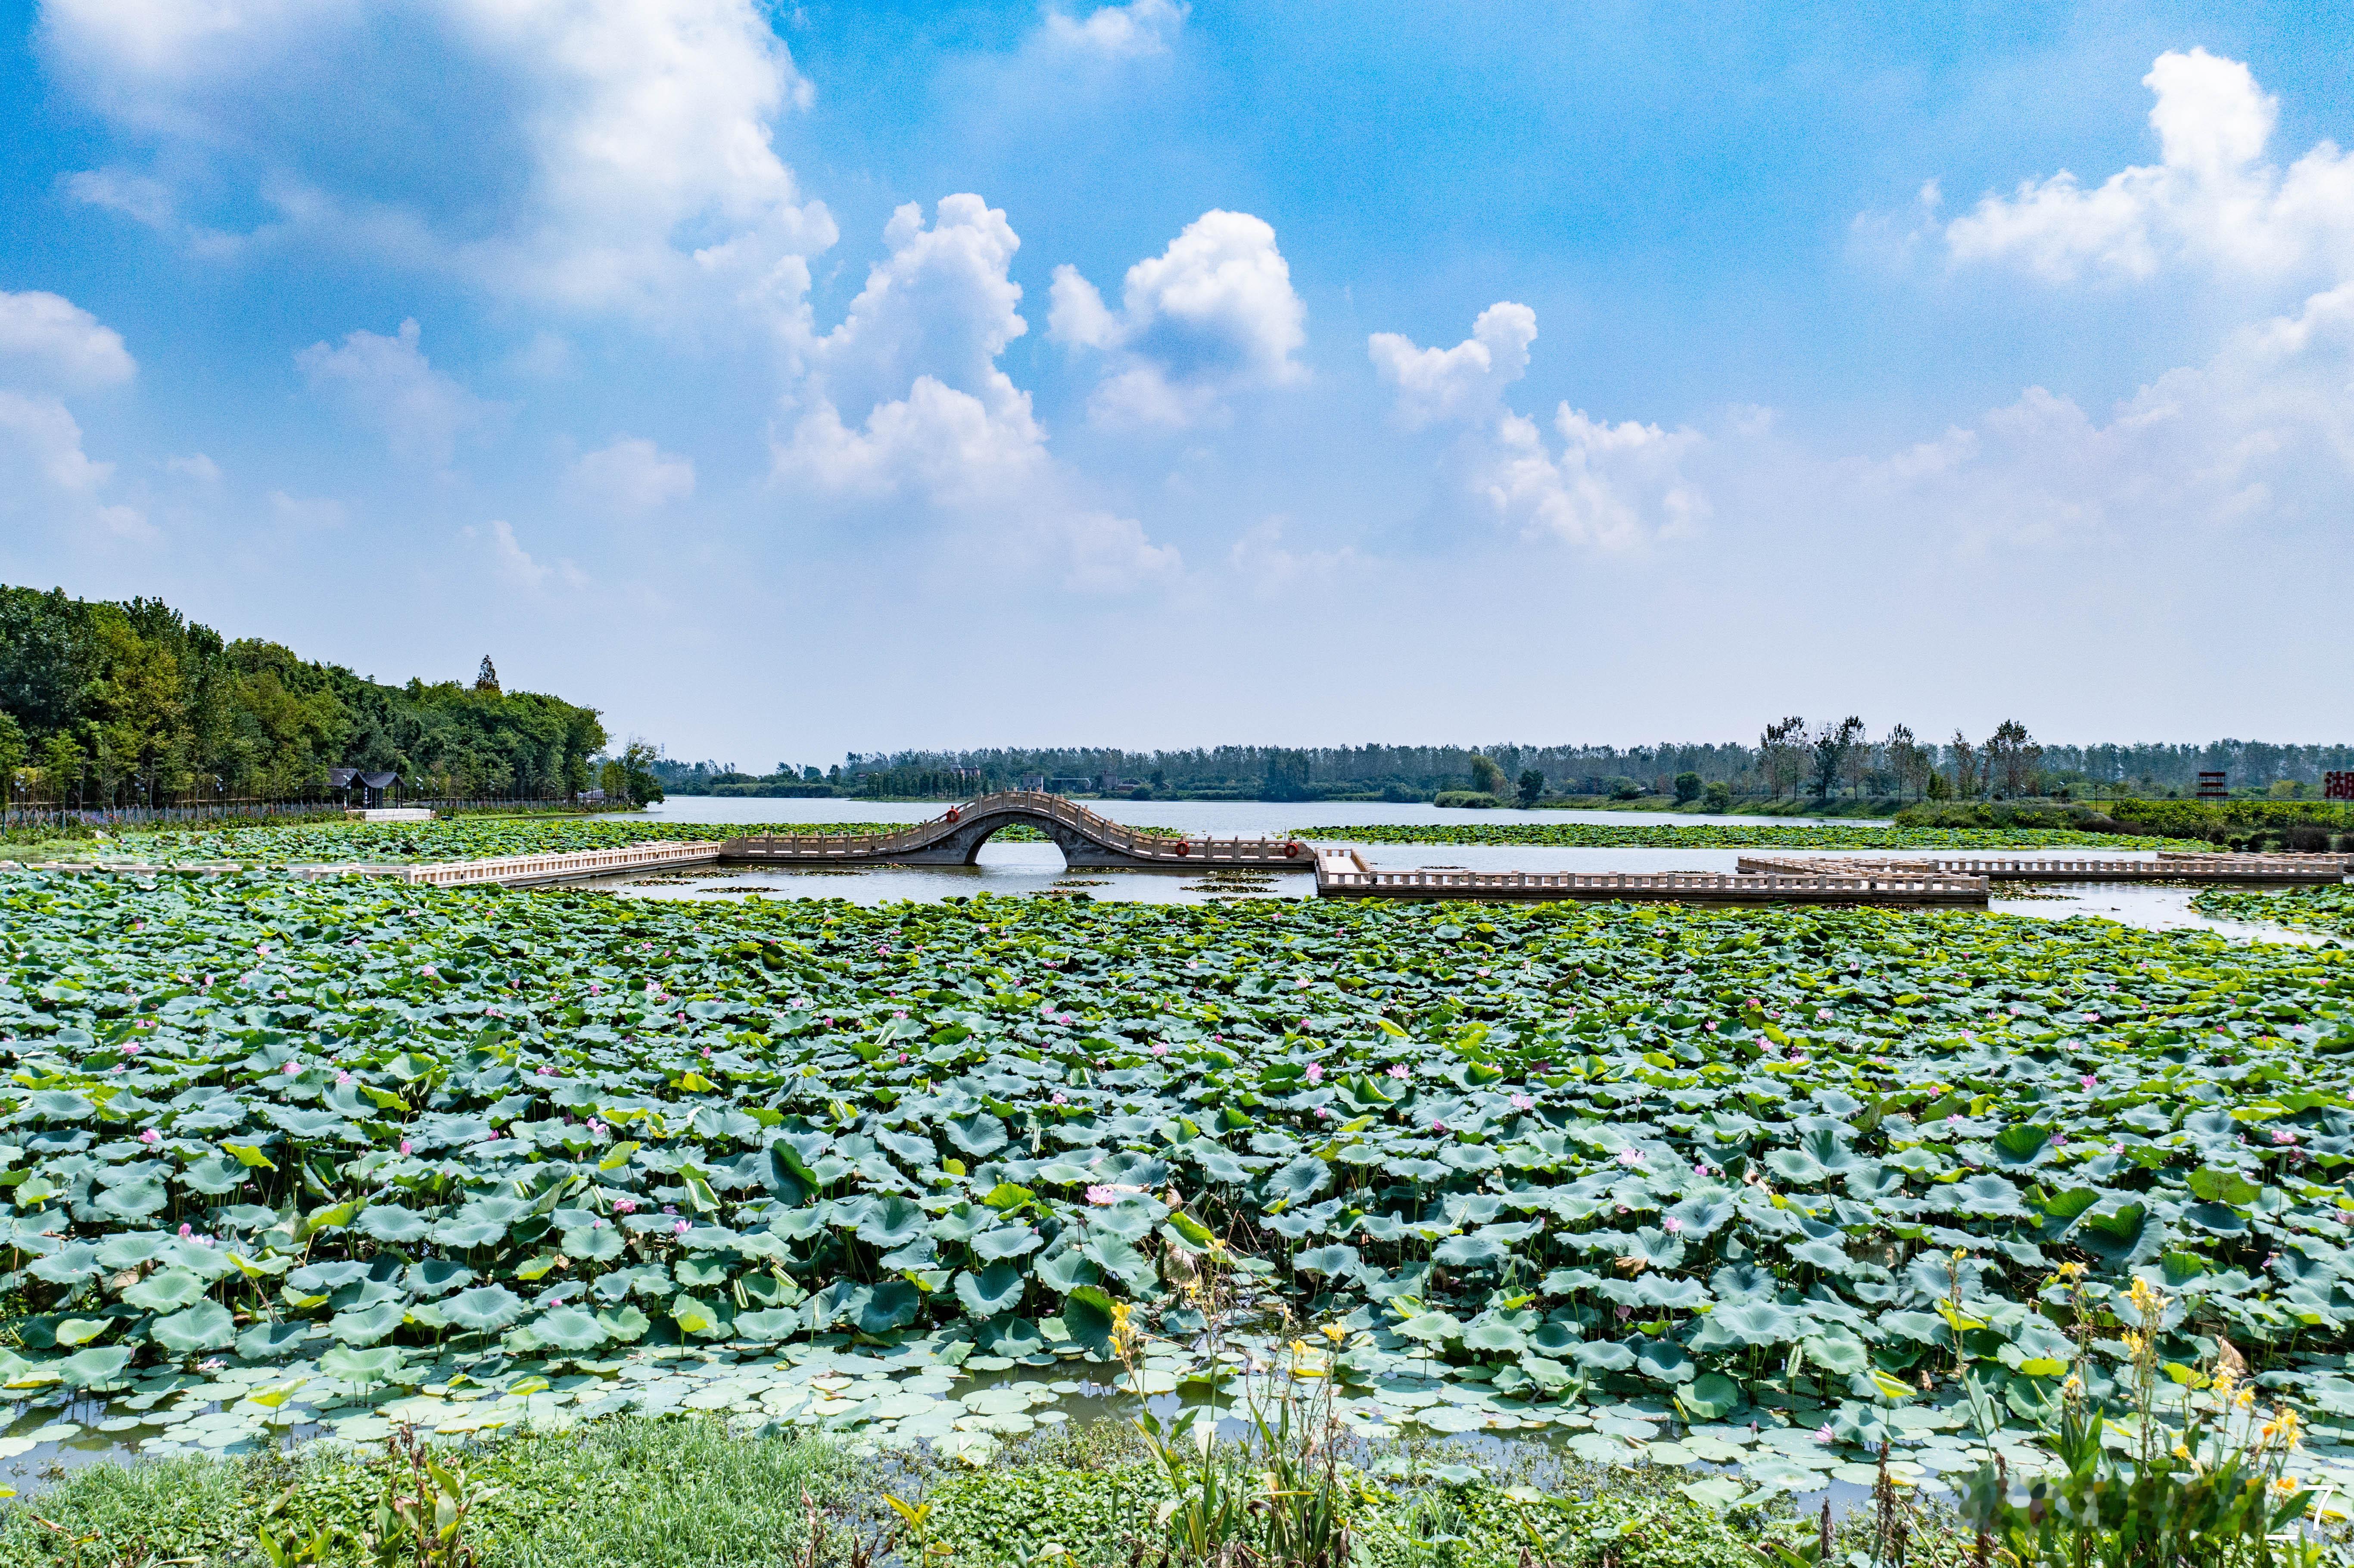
687	1493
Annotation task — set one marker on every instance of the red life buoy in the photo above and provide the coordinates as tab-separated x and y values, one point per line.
1183	848
954	813
1291	850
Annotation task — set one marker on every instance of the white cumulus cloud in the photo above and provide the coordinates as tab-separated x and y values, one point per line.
914	368
1464	381
50	339
1213	314
1608	487
46	474
2211	196
2262	434
1132	31
634	474
387	385
592	154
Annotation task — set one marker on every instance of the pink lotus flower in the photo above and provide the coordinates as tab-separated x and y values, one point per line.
347	1077
1630	1157
1102	1197
1159	1049
131	1047
2284	1136
1710	1027
1671	1224
1400	1071
1315	1071
681	1228
625	1205
596	1128
1700	1168
1823	1435
291	1068
151	1137
2088	1081
405	1146
1437	1126
1303	984
186	1229
1522	1102
1058	1097
596	986
1323	1113
428	971
545	1070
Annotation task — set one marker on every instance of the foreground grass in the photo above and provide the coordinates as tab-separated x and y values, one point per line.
686	1493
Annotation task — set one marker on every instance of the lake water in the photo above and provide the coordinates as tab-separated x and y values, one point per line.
1032	869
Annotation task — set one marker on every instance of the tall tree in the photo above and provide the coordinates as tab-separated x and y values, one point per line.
1782	755
1831	744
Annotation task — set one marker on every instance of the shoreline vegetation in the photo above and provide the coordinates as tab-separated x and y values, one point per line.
689	1491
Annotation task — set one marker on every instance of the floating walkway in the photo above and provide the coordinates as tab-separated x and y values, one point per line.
1345	874
2277	870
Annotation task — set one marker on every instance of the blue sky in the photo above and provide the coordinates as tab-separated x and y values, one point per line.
794	379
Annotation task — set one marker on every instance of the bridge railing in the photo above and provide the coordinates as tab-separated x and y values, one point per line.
1094	826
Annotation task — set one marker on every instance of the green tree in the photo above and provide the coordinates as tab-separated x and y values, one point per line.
1532	785
1718	797
11	757
1687	787
1831	744
1486	776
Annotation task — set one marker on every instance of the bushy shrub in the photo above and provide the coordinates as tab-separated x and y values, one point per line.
1471	800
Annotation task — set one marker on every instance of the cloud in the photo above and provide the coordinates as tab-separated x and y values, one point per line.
1212	315
1273	570
195	466
45	472
1611	486
48	339
1105	554
589	154
515	566
1608	487
1141	28
914	363
2260	436
387	385
305	513
634	475
2210	198
1464	381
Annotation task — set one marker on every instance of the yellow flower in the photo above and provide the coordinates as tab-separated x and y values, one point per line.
2285	1485
1298	1347
1960	1253
2247	1398
2180	1451
1334	1332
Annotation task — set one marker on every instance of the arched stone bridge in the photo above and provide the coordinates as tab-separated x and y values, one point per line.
1088	841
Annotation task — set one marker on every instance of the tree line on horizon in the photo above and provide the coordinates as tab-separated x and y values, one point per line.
106	705
1790	758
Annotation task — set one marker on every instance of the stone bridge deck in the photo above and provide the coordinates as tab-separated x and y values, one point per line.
1089	841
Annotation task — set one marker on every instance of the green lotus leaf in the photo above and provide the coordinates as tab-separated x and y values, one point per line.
167	1290
90	1369
392	1224
206	1326
485	1308
367	1325
363	1368
893	1222
1336	1259
979	1136
768	1324
995	1289
600	1246
568	1328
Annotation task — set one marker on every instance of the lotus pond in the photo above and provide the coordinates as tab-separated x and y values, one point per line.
2329	909
1747	1190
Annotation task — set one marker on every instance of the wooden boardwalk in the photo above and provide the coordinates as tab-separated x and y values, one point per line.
1345	874
2279	870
